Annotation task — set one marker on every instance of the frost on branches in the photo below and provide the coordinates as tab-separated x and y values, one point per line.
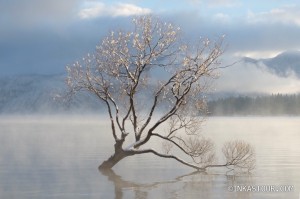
153	61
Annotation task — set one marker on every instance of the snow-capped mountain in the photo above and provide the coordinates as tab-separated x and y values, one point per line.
283	64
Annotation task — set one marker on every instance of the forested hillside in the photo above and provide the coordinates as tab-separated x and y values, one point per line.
263	105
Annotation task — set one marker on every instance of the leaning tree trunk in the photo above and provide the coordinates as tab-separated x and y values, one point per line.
112	161
116	157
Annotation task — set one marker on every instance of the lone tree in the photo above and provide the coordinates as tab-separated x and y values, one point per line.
152	84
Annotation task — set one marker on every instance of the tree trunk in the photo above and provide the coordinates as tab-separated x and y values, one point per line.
112	161
116	157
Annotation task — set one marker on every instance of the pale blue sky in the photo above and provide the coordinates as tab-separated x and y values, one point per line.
43	36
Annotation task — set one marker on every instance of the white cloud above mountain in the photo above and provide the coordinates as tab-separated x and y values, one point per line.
285	15
279	74
248	78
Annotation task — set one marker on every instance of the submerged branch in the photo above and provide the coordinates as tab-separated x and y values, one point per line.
168	156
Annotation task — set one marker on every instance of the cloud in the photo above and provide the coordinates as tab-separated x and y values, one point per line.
46	51
27	13
257	54
284	15
222	18
248	78
259	35
218	3
99	9
259	40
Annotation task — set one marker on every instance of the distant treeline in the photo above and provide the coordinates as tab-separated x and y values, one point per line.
263	105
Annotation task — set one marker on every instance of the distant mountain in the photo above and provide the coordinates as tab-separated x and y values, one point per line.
282	65
40	94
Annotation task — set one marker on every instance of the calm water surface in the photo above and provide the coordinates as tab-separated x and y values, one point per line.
57	157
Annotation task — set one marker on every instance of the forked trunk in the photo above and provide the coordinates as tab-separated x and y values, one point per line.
116	157
113	160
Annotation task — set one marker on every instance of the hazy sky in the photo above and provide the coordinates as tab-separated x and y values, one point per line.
43	36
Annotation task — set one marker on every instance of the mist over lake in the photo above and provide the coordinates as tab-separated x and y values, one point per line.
105	99
58	156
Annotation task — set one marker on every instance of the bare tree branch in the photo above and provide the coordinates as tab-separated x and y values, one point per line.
168	156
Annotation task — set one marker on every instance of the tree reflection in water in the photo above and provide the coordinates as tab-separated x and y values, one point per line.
191	185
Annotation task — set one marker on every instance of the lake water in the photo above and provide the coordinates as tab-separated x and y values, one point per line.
57	157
